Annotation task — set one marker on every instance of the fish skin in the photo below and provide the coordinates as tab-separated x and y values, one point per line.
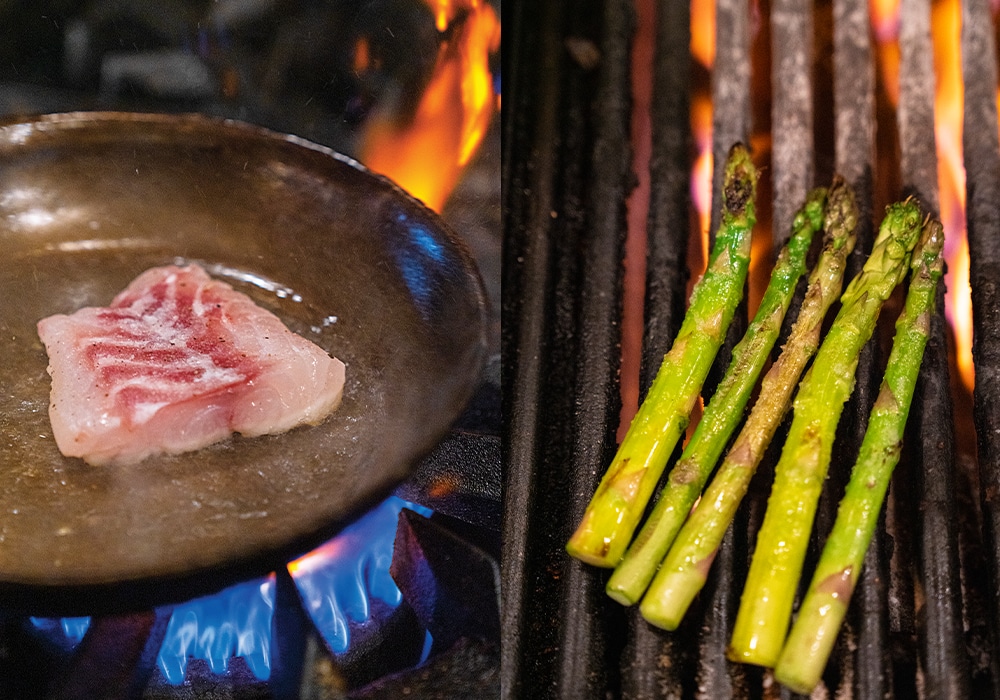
177	362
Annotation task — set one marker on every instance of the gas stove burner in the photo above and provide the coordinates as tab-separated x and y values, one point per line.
399	592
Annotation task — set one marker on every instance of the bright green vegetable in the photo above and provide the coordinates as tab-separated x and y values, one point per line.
766	604
819	618
618	504
686	566
722	415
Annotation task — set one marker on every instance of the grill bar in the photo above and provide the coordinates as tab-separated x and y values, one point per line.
793	158
644	676
598	402
731	122
918	158
730	90
530	170
791	111
670	183
943	656
982	168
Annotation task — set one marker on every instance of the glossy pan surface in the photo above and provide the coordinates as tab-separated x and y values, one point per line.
343	257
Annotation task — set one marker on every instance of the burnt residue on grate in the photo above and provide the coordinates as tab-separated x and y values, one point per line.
565	221
982	166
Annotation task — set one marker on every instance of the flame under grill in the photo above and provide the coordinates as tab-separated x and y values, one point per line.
925	618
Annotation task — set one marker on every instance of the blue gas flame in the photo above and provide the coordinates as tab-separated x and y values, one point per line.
236	622
336	582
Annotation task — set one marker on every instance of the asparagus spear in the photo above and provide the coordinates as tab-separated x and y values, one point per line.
723	412
615	509
809	643
686	566
766	605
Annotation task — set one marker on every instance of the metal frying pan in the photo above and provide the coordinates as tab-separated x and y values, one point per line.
345	258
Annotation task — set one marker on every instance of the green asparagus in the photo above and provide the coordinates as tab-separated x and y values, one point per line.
688	476
766	604
809	643
617	505
685	569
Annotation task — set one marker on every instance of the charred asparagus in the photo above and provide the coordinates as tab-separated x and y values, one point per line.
766	604
686	566
809	643
688	476
618	503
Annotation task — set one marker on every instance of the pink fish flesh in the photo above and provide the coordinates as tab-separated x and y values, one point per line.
179	361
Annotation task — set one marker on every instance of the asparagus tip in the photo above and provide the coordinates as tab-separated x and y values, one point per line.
740	181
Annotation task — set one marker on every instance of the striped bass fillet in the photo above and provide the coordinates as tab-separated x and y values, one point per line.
177	362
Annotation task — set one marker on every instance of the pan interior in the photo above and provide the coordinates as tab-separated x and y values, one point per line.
87	202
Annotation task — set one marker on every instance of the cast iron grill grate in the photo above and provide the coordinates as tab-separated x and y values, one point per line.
925	617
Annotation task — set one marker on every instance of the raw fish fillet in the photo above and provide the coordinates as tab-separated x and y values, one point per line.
177	362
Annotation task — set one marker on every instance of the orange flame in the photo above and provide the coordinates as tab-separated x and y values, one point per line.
362	55
884	16
948	106
946	23
426	156
701	176
442	13
317	557
703	51
703	32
